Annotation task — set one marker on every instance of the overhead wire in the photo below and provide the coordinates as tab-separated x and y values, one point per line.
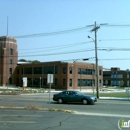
54	33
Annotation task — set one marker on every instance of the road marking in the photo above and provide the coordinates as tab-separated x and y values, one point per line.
20	122
101	114
24	115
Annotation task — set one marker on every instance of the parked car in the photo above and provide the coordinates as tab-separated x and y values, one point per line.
74	96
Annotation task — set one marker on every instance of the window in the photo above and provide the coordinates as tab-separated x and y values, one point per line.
100	72
10	70
17	71
38	70
26	70
70	83
45	81
50	70
86	82
70	70
11	51
56	82
86	71
64	70
11	61
64	82
10	80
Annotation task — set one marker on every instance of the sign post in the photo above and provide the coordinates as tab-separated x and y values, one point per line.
50	81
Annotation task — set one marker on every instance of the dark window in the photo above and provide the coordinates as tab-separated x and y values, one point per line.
17	71
70	83
50	70
64	70
10	80
64	82
17	81
11	62
70	70
86	71
100	72
38	70
11	51
44	81
10	70
26	70
86	82
56	82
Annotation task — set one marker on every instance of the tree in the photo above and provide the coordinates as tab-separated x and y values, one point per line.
121	83
22	60
106	82
32	61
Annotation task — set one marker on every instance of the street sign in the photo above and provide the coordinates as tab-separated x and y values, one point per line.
24	81
50	78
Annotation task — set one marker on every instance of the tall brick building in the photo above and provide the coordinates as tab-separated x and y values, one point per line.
8	60
77	75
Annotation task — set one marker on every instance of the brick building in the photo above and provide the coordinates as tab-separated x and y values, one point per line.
77	75
116	77
8	60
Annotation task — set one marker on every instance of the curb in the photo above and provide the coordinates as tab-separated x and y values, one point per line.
36	108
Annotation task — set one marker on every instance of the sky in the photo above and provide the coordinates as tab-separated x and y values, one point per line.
58	30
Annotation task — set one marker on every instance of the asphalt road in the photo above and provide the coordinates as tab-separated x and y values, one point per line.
104	115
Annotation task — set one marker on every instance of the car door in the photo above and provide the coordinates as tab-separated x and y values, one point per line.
75	97
66	96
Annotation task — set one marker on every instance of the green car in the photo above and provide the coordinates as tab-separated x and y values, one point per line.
74	97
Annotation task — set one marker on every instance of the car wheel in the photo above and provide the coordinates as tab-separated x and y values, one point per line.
60	101
85	101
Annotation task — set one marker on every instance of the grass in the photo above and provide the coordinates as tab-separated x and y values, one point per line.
113	94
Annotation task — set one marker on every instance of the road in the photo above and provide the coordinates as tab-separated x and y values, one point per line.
105	114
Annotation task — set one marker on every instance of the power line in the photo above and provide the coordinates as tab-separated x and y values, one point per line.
55	47
54	33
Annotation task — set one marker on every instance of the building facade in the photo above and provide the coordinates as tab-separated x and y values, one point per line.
8	60
116	77
77	75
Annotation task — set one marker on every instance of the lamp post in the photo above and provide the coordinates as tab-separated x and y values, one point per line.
96	58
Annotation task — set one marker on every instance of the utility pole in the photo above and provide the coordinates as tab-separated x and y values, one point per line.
96	56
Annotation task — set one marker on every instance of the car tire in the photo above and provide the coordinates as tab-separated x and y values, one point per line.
60	101
85	101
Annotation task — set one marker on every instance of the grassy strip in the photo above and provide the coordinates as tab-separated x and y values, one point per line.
112	94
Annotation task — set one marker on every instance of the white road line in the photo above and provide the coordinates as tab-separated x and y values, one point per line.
24	115
102	114
18	122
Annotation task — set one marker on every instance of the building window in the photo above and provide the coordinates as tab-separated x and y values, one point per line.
86	71
70	83
70	70
11	51
38	70
17	71
64	82
56	82
26	70
64	70
50	70
11	62
100	72
44	81
10	80
86	82
10	70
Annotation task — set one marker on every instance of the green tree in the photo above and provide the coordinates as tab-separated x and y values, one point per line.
121	83
106	82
